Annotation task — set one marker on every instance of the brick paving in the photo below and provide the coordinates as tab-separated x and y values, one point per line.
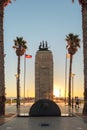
77	122
44	123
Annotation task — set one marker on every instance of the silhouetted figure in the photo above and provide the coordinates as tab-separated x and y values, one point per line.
43	46
76	102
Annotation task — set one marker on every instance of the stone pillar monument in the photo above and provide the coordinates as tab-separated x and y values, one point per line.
43	73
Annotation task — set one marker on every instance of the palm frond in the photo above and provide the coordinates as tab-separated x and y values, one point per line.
20	42
73	43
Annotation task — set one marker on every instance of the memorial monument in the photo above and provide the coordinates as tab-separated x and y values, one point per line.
43	72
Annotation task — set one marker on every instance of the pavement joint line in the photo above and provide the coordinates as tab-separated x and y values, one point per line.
5	119
78	116
81	117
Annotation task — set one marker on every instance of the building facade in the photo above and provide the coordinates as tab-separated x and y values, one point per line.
43	73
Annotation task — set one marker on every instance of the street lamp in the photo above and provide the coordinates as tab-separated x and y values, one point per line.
72	75
65	76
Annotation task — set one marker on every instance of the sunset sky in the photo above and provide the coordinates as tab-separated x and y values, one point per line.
38	20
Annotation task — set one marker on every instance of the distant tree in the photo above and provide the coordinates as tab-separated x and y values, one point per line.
73	43
20	48
3	3
83	4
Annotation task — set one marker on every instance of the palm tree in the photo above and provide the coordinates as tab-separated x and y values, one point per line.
3	3
83	4
72	47
20	48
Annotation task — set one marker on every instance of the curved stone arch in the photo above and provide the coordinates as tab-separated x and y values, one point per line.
44	107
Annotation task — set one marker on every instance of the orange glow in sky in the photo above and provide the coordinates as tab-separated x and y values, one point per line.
56	92
37	28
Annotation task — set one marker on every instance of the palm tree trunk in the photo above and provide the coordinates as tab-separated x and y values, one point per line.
2	82
18	84
69	89
84	27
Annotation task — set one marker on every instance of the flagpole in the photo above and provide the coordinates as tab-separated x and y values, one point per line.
24	76
25	56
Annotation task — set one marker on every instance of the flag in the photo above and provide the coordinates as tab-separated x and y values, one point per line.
28	56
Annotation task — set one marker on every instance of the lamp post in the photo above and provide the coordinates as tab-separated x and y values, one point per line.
65	76
72	75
